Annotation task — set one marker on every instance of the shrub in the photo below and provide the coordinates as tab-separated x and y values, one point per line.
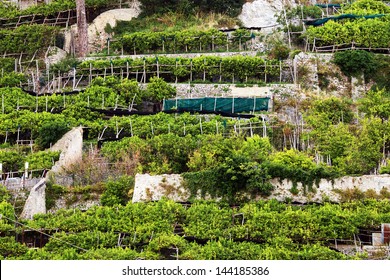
356	62
117	192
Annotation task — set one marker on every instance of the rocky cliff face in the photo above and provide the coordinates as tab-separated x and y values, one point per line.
263	13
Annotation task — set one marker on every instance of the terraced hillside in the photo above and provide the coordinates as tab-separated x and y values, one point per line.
186	88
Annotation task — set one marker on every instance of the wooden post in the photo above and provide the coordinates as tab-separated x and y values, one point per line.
74	78
190	70
158	68
131	129
176	72
144	70
90	73
204	70
82	28
288	28
36	103
280	71
220	71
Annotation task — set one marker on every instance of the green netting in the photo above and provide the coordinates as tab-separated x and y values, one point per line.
318	22
218	104
328	5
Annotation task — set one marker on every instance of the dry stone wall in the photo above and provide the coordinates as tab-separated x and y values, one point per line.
151	188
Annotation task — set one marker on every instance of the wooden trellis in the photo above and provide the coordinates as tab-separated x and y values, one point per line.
80	78
62	19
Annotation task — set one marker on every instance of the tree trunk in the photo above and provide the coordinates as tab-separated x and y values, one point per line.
82	27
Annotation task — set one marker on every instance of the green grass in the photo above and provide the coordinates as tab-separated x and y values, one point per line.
173	22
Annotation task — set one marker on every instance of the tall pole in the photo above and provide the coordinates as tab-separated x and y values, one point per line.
82	27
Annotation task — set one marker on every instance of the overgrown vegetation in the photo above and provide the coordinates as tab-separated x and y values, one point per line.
231	7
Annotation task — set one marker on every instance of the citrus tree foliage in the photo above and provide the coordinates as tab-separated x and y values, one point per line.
51	130
371	32
42	159
256	230
4	194
231	7
239	68
352	149
376	103
26	39
12	79
9	10
182	41
368	33
7	64
13	160
117	192
366	7
356	62
9	248
158	90
8	215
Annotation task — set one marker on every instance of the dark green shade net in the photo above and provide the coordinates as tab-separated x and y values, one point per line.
218	104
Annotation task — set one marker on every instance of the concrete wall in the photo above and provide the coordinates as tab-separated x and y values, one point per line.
70	145
35	203
148	188
15	184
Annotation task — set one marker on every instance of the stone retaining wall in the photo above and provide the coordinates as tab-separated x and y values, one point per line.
151	188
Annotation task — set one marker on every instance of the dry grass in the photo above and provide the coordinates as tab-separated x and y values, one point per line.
94	168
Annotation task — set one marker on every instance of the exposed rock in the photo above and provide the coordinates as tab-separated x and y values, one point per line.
54	55
263	13
97	36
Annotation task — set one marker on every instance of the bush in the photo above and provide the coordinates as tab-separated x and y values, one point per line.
50	132
117	192
158	90
230	7
356	62
279	51
4	194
